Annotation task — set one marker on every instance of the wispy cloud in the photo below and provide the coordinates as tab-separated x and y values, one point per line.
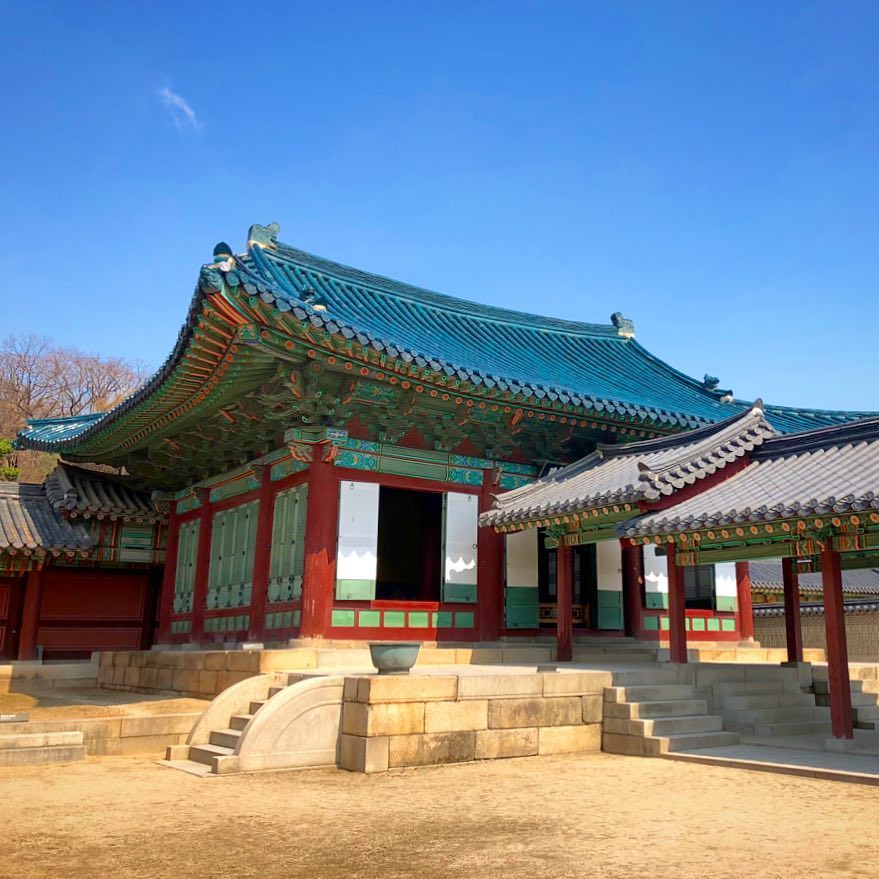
183	115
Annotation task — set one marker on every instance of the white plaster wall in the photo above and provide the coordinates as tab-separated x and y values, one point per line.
462	512
725	579
655	570
521	555
357	556
610	565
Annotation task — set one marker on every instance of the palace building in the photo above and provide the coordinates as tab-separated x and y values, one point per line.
331	454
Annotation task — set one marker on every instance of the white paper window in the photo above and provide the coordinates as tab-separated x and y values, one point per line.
522	559
357	556
459	552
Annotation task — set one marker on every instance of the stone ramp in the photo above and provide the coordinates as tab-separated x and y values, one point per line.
852	768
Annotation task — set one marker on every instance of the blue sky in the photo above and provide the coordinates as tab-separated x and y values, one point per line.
709	169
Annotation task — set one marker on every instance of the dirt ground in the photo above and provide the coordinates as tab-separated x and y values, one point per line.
587	815
77	702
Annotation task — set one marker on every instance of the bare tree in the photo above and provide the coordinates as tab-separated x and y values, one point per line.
40	380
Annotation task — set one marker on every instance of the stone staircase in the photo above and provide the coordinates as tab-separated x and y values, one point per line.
623	650
271	721
32	749
651	713
865	697
777	706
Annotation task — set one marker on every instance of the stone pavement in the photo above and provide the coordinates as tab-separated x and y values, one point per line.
850	767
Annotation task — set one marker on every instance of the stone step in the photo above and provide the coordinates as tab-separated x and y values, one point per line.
228	738
239	721
649	693
255	706
802	728
669	726
768	700
859	700
657	745
666	708
40	740
614	656
867	712
273	691
866	724
659	674
755	688
39	755
206	753
856	686
806	714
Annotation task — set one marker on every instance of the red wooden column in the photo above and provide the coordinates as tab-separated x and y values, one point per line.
169	577
321	534
746	609
263	556
202	565
633	582
30	616
565	603
677	632
489	568
837	649
792	624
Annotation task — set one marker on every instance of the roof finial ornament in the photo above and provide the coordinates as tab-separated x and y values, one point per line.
222	251
264	236
625	327
758	404
710	382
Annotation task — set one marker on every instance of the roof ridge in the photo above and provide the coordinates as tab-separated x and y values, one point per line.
862	430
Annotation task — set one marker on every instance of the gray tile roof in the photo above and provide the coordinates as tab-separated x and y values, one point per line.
767	575
29	523
825	471
627	473
79	491
816	608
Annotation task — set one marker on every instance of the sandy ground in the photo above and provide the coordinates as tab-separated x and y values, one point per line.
590	815
76	702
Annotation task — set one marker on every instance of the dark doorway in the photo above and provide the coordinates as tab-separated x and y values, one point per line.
585	576
410	525
11	599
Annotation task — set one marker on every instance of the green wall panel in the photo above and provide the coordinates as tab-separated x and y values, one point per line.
442	619
728	625
651	624
395	619
355	590
460	593
726	603
657	600
713	625
610	609
343	617
697	624
370	618
464	620
521	609
418	619
663	623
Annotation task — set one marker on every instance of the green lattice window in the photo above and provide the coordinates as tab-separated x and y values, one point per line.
233	541
288	545
184	582
136	543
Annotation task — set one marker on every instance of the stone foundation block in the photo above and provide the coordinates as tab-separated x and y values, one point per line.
118	675
137	660
407	688
390	719
148	677
172	658
431	748
215	660
120	659
287	660
493	744
242	660
489	686
360	754
527	654
157	725
455	716
593	708
185	680
631	746
164	678
207	682
478	656
225	679
569	739
552	711
585	682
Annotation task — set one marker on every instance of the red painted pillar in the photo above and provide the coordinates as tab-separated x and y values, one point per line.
30	616
169	577
633	583
202	565
321	534
746	609
837	649
677	604
565	603
262	557
489	568
792	624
